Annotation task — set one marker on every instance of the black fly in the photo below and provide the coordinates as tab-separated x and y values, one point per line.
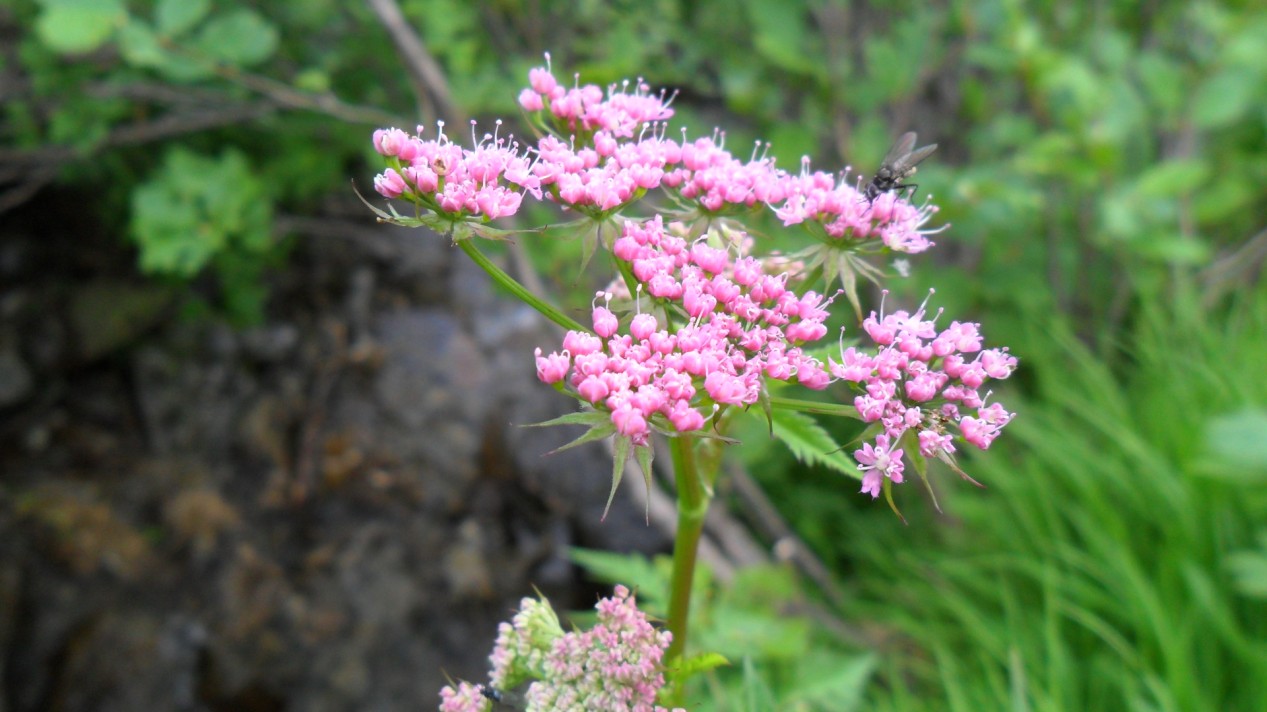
509	699
898	165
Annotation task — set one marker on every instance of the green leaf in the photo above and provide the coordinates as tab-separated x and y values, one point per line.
140	46
644	454
1224	98
779	28
173	17
810	443
618	469
695	664
79	26
1249	569
645	577
1236	446
1172	178
834	682
196	207
240	38
600	428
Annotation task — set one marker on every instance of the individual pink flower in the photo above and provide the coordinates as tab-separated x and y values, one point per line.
878	462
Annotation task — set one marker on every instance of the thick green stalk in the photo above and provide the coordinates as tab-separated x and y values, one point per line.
547	310
692	506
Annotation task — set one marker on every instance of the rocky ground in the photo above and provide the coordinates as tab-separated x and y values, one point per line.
330	511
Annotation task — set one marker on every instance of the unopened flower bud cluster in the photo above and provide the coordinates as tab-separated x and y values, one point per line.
614	666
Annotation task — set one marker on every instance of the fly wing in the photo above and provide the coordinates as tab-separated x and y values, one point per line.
902	160
900	148
904	164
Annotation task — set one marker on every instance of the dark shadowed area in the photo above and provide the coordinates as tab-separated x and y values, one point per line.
330	511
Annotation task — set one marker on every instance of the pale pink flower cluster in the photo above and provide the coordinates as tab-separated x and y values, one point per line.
484	182
845	212
614	666
738	325
921	381
465	698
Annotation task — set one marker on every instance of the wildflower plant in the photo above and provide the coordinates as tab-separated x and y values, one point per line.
701	321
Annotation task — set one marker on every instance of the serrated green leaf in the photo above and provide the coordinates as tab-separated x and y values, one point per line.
810	443
173	17
645	577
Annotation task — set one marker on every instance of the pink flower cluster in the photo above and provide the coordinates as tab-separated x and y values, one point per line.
845	212
586	109
484	182
614	666
714	179
604	177
738	325
920	381
608	149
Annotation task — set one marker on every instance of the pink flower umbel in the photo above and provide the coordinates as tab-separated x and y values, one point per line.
614	666
916	386
451	182
848	218
729	325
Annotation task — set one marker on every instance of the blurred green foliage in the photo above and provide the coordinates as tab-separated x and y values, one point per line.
1103	167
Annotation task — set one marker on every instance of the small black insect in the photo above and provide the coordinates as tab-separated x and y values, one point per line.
898	165
509	699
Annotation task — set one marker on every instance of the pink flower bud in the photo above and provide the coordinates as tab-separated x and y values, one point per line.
389	184
643	326
552	368
530	100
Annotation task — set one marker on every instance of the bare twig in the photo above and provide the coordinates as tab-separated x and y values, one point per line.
308	456
1242	267
787	545
428	78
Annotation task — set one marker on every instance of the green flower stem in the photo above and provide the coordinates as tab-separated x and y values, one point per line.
692	506
547	310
